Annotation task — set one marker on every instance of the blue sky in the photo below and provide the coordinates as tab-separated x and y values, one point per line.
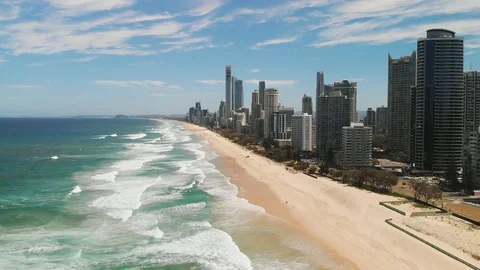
60	58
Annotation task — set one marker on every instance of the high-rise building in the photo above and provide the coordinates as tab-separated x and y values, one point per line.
229	90
198	105
381	118
222	113
302	132
348	89
334	113
272	102
277	126
320	87
369	120
472	100
289	111
307	106
357	145
440	101
255	102
401	78
261	87
238	94
246	111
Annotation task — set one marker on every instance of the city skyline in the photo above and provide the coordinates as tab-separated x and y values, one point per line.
140	57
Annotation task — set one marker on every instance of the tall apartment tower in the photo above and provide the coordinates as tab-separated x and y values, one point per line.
272	103
369	120
238	94
381	120
472	100
348	89
401	78
335	112
289	111
439	101
357	145
277	126
229	89
307	106
222	113
261	87
320	88
319	92
302	132
255	103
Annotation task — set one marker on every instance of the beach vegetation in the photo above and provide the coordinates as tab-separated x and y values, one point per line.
312	169
372	179
423	189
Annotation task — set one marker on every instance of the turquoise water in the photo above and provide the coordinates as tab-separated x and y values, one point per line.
128	193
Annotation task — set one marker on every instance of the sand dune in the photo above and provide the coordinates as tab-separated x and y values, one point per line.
345	220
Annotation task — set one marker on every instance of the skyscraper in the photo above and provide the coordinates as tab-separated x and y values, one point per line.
320	89
307	106
370	119
335	112
229	90
302	132
289	111
348	89
357	145
261	87
272	100
277	126
381	117
401	78
439	101
472	100
238	94
255	102
222	115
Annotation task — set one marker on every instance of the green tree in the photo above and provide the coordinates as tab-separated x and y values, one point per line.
267	143
379	141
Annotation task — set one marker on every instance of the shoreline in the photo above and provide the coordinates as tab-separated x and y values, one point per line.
346	222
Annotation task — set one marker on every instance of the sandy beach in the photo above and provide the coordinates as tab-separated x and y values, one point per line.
347	222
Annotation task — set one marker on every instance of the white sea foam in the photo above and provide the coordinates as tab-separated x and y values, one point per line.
41	249
135	164
114	135
212	248
127	197
199	224
185	209
146	224
136	136
108	177
54	157
155	140
154	198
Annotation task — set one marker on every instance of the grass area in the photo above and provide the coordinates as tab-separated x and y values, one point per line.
398	195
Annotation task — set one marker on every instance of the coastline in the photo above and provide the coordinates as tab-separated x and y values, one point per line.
346	222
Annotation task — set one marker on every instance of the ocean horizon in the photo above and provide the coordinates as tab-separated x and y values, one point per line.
129	193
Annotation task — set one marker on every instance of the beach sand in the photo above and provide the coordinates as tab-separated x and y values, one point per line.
347	222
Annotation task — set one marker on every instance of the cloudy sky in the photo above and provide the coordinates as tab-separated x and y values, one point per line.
70	57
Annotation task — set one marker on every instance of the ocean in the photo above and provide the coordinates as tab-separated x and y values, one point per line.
99	193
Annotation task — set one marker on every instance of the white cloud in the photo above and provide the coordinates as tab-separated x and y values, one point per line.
84	59
2	60
211	82
272	83
75	7
187	41
205	7
470	53
36	64
181	95
10	13
255	70
129	84
275	41
175	87
50	38
23	86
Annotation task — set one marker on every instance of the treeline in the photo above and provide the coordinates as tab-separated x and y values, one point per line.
372	179
423	189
